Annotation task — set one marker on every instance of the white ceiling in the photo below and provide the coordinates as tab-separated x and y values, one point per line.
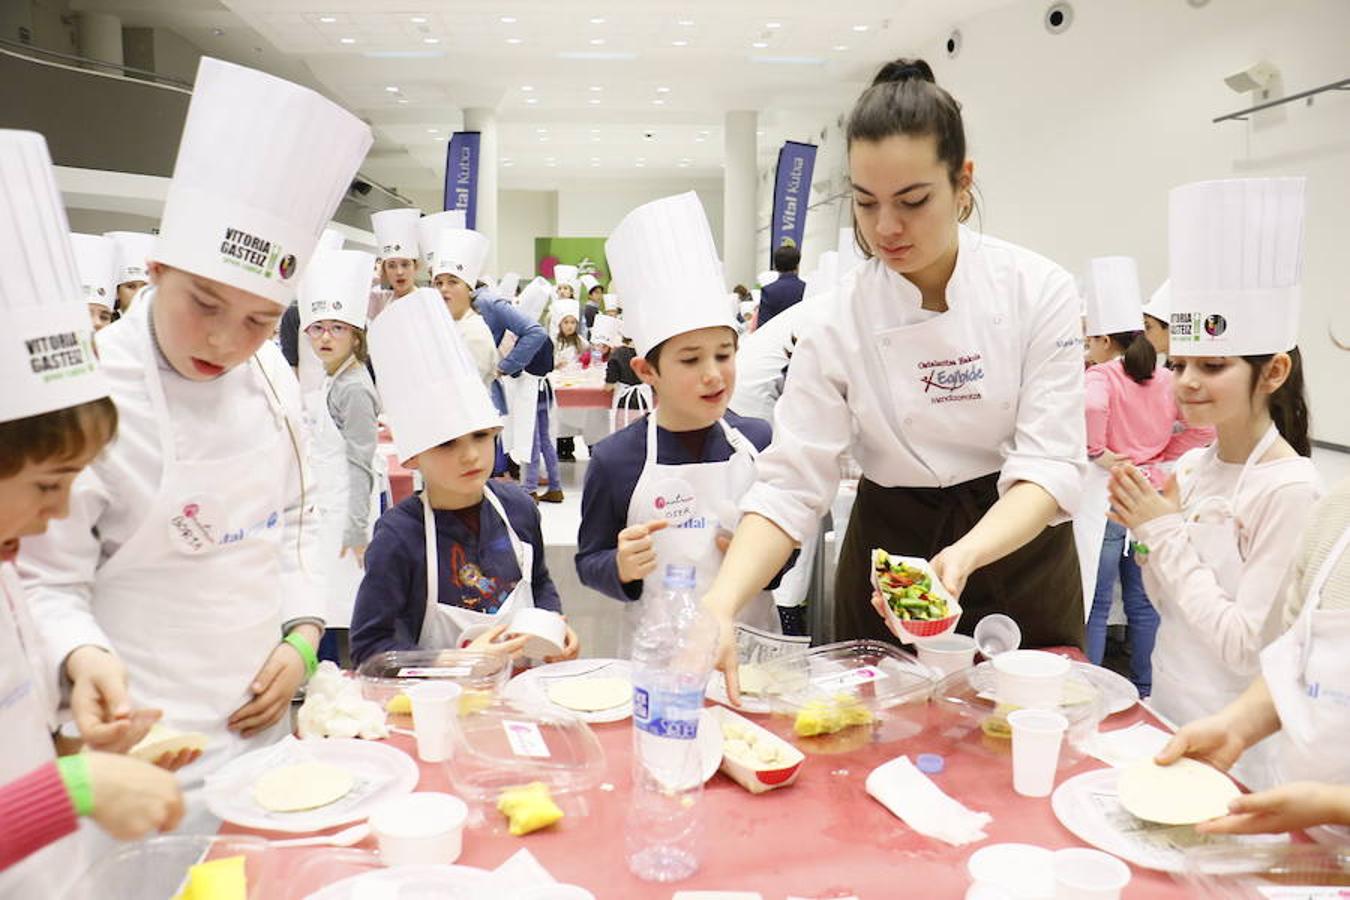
576	84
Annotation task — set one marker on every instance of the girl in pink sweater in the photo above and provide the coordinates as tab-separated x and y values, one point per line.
1132	417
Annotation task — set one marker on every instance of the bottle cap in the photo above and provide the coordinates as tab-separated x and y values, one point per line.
931	763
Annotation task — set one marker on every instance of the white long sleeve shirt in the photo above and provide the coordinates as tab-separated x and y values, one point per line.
110	499
1021	415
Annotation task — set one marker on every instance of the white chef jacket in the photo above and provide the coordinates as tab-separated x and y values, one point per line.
1025	323
109	499
478	338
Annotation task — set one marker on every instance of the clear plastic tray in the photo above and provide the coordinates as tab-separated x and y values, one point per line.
158	867
1261	872
875	691
510	743
387	674
968	697
333	874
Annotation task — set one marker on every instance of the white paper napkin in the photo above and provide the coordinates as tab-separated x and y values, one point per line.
922	805
520	871
1123	746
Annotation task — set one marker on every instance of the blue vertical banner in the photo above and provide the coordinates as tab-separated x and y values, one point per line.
791	193
461	174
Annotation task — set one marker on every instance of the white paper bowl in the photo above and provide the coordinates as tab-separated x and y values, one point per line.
920	631
1031	679
420	829
546	629
758	779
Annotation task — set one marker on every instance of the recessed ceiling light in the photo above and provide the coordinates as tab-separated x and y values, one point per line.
551	163
596	42
687	23
759	45
594	101
431	40
679	43
543	139
403	100
595	131
700	139
598	20
532	100
506	163
433	131
859	27
595	140
527	88
541	130
328	20
640	164
841	46
218	32
393	89
684	164
663	90
658	102
418	20
346	40
513	40
773	24
507	20
597	88
595	159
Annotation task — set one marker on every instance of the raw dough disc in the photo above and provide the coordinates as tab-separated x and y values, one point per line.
162	739
1183	793
304	786
590	694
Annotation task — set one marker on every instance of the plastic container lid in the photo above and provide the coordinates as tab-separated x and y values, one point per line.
1019	870
341	874
1244	870
878	676
931	763
509	743
157	867
387	674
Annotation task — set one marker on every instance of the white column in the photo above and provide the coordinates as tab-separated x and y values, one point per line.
100	36
740	196
484	121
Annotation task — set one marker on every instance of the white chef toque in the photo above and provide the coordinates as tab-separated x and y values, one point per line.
534	298
262	167
429	230
562	308
1235	259
331	239
336	286
607	330
1159	306
1111	295
507	287
95	261
611	303
566	275
663	257
461	253
131	259
47	359
396	233
429	384
589	283
768	276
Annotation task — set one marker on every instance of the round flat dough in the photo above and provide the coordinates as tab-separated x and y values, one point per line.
590	694
1184	793
304	786
162	739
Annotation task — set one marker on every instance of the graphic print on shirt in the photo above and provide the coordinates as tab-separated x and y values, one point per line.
950	380
477	590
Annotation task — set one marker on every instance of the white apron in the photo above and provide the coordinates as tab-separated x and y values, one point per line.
522	412
328	465
698	500
1089	529
631	402
446	626
192	602
26	710
1191	680
1308	673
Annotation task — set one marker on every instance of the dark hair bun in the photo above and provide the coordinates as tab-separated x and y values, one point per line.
902	70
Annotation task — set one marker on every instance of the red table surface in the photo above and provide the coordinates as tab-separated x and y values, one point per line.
582	397
823	836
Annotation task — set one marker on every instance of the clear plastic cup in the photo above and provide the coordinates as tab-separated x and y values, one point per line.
1036	738
435	705
995	634
1083	874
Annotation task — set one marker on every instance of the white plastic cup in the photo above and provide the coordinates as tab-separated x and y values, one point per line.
420	829
948	654
1036	738
547	631
995	634
435	706
1030	678
1083	874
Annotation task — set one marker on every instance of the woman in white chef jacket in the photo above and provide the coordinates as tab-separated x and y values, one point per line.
953	371
341	417
1216	545
185	576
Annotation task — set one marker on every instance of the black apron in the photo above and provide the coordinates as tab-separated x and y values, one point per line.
1039	586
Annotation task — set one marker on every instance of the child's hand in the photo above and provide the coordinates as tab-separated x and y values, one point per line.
491	641
132	798
358	552
571	648
636	558
1134	501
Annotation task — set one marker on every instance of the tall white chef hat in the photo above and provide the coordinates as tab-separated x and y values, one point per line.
47	357
94	263
663	256
507	287
1236	264
1159	306
429	383
589	282
768	276
610	303
461	253
534	298
331	239
565	275
607	330
262	167
396	232
1111	292
336	286
429	230
131	258
562	308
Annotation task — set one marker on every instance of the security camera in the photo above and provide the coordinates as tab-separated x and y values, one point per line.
360	187
1058	18
954	44
649	135
1253	78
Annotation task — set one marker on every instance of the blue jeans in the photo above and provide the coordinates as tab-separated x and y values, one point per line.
1139	612
543	446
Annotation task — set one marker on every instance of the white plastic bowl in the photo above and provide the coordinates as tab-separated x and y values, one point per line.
420	829
1031	679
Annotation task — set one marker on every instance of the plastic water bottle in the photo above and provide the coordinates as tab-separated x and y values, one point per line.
673	653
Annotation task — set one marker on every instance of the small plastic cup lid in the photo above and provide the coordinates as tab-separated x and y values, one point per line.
930	763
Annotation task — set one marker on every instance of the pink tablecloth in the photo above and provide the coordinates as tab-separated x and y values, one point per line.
582	397
821	837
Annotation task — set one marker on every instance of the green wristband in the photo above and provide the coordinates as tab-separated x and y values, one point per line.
74	771
306	652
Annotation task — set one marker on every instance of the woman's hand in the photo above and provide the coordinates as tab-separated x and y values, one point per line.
1213	740
1135	501
953	566
1289	807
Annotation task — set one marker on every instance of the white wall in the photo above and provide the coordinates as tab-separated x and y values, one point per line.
523	216
1078	137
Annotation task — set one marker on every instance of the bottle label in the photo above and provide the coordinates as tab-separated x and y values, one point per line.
667	714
